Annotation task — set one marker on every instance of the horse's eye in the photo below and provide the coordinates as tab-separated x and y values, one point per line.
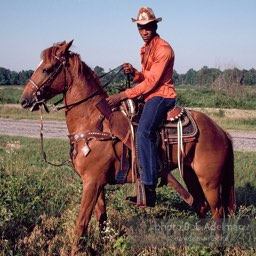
47	70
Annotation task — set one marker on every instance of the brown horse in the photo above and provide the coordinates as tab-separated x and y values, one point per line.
208	162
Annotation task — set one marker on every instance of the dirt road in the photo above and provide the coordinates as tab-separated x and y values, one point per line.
243	141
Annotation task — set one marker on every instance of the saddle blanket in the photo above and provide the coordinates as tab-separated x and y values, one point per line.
189	128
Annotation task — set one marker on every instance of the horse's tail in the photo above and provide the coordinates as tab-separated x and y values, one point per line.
228	182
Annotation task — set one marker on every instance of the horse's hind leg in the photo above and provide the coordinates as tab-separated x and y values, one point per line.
195	189
211	189
206	195
100	210
210	182
212	194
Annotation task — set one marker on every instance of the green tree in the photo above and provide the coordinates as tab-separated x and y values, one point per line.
99	71
190	77
14	78
175	77
8	77
4	76
24	76
249	76
206	76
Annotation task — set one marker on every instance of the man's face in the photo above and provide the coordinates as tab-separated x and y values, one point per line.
147	31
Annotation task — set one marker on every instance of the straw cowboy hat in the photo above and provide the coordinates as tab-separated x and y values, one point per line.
145	16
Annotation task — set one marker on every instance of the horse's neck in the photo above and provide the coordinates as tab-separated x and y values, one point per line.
85	115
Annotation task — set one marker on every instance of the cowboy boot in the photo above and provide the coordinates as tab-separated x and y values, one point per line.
148	201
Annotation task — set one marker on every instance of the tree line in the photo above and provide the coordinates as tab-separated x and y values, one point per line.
8	77
209	76
203	77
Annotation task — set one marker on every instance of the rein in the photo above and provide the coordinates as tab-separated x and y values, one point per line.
98	92
42	144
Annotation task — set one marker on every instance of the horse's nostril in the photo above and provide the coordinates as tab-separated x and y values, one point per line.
24	103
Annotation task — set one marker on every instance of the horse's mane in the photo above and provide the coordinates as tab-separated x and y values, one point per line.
79	67
83	70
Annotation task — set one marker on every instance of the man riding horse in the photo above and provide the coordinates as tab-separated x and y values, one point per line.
155	85
208	157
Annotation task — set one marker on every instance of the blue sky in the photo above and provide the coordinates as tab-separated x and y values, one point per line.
214	33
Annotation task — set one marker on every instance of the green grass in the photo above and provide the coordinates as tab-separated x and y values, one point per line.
10	94
17	112
205	97
39	204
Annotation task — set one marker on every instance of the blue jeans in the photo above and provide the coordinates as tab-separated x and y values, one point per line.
153	113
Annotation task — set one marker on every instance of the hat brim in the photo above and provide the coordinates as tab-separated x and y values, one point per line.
144	22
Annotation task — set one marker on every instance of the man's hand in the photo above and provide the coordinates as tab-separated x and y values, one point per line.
116	98
128	69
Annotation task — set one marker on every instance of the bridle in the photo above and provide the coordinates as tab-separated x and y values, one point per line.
40	88
61	61
57	67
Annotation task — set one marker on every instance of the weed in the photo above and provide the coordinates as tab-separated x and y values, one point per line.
220	113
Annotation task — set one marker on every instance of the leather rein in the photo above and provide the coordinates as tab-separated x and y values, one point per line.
97	92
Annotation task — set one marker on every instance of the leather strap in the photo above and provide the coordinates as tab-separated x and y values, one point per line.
87	135
141	194
104	108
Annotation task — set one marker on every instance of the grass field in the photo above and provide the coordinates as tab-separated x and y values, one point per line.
39	204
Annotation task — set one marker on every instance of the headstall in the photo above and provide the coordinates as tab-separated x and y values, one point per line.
61	61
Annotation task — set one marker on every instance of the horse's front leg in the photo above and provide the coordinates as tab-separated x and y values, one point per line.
100	210
89	198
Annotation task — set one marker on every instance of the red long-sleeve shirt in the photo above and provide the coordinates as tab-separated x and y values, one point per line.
155	79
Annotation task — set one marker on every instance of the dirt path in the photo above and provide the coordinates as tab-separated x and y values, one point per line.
243	141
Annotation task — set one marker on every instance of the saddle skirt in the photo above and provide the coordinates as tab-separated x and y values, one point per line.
179	116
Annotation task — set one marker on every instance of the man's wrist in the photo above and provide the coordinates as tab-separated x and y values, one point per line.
123	95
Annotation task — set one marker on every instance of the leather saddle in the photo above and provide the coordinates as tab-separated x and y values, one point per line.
176	117
179	117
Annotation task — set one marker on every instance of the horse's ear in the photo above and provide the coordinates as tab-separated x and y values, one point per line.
64	48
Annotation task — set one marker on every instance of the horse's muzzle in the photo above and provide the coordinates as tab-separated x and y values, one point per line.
25	103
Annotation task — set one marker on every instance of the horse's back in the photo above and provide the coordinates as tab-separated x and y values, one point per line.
210	133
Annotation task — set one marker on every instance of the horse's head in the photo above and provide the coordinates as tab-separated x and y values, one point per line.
48	79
